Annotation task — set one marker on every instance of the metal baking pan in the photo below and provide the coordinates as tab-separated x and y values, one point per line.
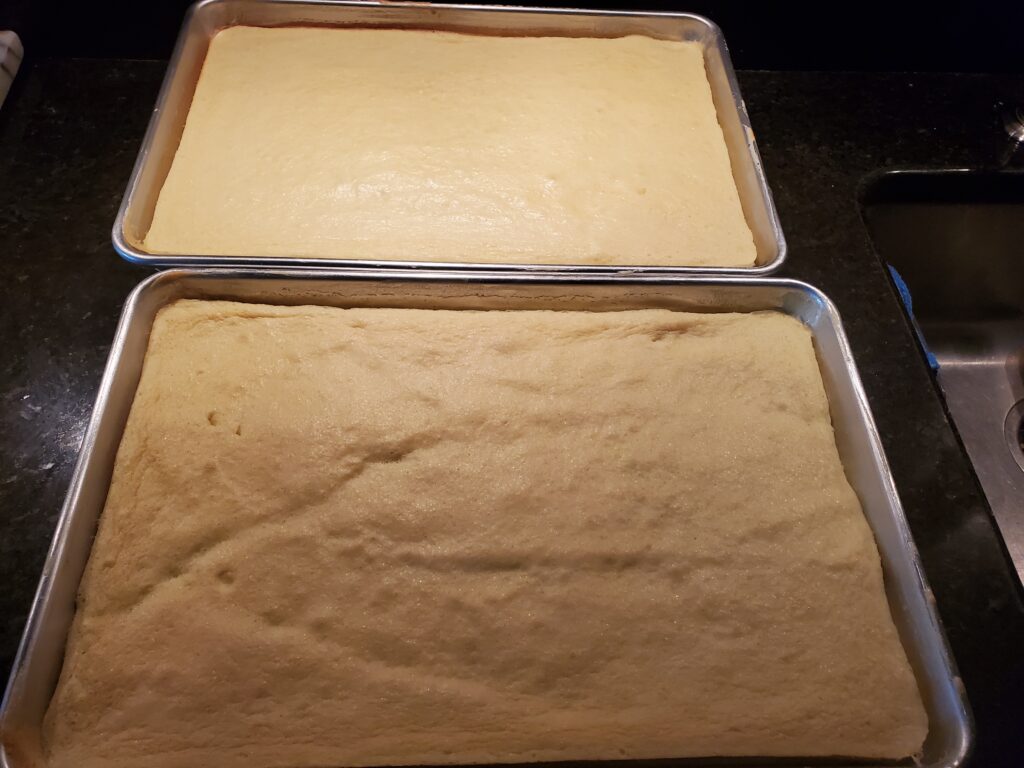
40	656
207	17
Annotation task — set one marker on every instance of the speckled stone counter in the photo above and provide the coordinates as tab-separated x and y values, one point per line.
69	133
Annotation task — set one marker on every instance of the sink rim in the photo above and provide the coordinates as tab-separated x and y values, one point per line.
980	386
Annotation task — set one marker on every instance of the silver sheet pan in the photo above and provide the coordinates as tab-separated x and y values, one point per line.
207	17
39	659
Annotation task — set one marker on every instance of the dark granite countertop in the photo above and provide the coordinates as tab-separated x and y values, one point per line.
68	137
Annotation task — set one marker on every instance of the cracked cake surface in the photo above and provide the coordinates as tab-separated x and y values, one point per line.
346	537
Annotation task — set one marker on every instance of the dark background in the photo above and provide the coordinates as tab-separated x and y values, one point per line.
984	36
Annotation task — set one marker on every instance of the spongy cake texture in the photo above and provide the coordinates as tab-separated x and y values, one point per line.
345	537
437	146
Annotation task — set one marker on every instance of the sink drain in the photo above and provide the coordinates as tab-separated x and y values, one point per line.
1014	431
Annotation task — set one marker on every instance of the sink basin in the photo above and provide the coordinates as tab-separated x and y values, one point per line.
956	238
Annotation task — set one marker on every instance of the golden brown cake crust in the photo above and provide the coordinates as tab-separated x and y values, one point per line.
437	146
380	536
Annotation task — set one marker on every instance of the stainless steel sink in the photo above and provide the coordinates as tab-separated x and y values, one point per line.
957	240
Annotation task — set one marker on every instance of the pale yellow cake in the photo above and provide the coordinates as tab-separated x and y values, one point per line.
386	537
438	146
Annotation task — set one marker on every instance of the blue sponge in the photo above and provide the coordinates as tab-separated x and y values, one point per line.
904	292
